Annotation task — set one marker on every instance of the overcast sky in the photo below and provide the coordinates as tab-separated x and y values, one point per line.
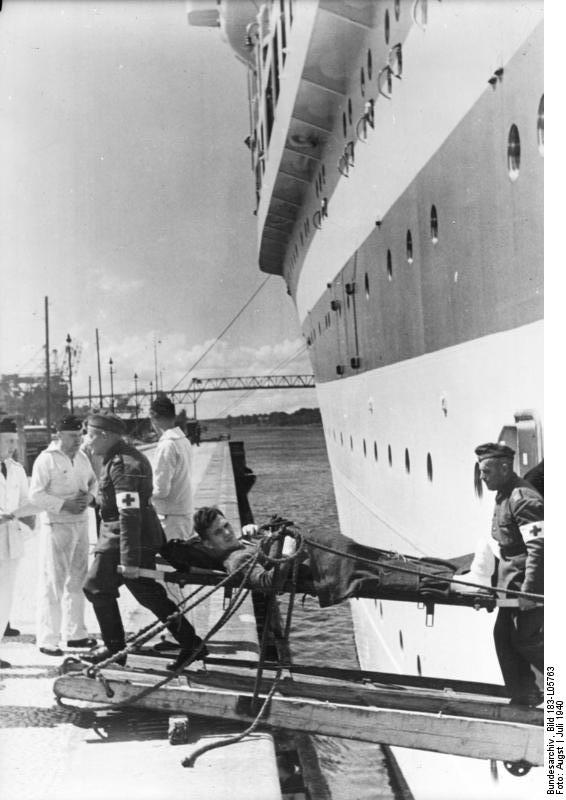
126	197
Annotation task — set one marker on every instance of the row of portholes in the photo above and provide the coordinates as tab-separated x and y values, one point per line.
408	249
407	458
514	143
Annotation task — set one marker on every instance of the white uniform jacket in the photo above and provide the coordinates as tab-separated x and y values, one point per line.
55	478
172	467
13	494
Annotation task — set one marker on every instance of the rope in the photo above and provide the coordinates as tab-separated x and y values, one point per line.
190	760
277	561
94	670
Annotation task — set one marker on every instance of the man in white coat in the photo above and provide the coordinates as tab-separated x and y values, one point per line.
13	496
172	466
172	483
63	484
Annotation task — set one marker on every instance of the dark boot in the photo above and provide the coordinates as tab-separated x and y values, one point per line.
110	622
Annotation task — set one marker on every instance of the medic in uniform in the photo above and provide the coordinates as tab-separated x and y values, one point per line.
517	539
130	535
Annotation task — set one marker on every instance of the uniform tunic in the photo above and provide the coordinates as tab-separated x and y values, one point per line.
131	535
518	533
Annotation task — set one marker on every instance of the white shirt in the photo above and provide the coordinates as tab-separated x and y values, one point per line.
172	471
56	478
13	494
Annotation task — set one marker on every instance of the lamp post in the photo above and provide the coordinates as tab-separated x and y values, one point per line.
151	391
70	363
155	343
136	395
111	365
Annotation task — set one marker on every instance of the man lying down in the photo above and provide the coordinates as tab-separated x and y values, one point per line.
353	571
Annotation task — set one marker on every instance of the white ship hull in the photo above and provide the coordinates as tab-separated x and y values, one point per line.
397	151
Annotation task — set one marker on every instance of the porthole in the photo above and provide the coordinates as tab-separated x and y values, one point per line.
375	450
302	238
341	439
366	285
433	224
344	123
397	9
429	466
401	642
540	126
350	110
319	329
370	65
389	266
348	302
407	461
380	609
513	152
365	449
351	443
362	82
478	485
389	455
386	27
324	173
409	247
419	666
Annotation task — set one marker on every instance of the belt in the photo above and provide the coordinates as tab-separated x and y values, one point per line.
510	550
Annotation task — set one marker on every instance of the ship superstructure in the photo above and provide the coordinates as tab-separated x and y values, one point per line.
397	152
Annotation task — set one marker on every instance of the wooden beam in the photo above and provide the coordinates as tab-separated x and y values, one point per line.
502	741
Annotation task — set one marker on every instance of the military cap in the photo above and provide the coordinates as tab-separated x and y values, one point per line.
106	421
70	423
162	407
7	425
494	450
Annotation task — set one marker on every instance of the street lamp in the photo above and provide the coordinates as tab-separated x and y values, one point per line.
151	391
136	394
111	364
69	360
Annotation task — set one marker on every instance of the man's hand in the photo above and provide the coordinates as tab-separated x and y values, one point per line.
75	505
249	531
525	604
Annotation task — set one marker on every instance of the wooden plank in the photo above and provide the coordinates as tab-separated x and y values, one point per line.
435	702
503	741
353	675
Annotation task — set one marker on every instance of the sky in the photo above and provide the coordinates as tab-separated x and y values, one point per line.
126	198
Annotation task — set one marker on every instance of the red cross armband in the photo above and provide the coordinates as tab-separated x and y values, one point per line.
532	531
127	500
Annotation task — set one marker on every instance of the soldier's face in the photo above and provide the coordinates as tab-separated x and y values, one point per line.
220	537
8	444
494	472
97	440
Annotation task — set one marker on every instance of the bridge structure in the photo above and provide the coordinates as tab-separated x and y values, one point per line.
198	386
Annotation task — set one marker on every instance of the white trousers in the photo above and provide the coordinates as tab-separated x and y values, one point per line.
8	570
63	564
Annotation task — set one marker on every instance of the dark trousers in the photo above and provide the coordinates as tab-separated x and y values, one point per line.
102	589
519	643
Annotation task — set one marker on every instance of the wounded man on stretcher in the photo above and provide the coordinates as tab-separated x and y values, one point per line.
332	567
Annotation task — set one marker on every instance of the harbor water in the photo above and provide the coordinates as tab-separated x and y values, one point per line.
294	481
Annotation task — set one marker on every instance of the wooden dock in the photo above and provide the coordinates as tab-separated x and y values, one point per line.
131	763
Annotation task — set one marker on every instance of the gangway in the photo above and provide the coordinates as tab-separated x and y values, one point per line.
459	718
